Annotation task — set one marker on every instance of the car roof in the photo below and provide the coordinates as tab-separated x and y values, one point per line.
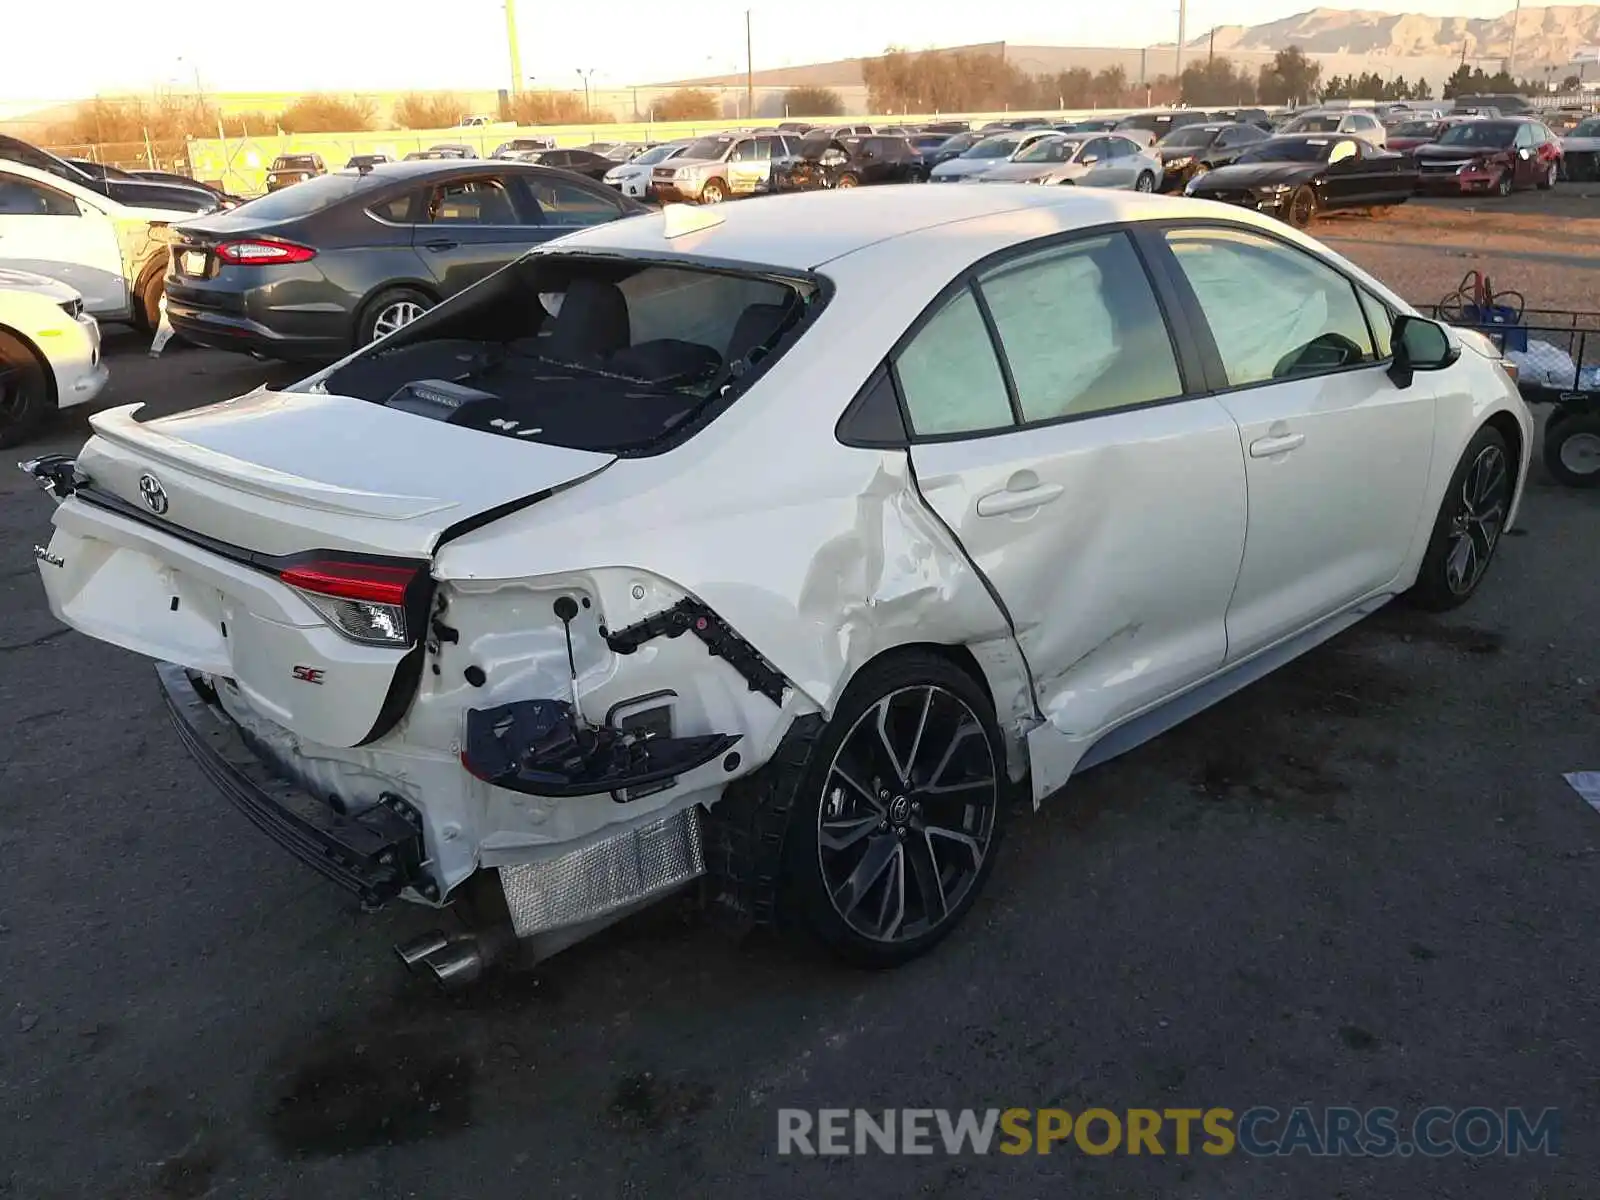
804	230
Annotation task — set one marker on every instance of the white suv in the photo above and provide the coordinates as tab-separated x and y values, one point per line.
1357	124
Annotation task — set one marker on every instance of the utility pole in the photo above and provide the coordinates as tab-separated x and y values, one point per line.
1211	49
514	46
1183	36
749	72
584	75
1511	62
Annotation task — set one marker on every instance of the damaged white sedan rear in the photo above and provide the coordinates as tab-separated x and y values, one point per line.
767	544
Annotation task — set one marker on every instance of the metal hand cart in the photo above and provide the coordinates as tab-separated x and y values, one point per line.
1557	353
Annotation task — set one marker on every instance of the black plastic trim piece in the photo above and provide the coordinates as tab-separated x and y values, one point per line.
690	616
376	855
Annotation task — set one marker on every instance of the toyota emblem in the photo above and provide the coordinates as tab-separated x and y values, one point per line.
153	494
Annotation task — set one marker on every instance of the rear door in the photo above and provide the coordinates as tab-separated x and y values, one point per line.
1057	435
1336	455
470	226
51	233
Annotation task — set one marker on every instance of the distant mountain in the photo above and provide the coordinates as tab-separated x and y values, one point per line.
1544	36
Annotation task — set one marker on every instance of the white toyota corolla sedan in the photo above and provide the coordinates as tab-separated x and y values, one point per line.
770	542
49	353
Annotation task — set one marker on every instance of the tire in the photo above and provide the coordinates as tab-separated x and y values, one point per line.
389	310
880	852
714	192
1572	449
1506	184
1551	174
147	300
25	401
1302	209
847	181
1467	531
1145	183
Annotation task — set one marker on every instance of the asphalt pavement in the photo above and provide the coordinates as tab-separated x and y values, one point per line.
1362	881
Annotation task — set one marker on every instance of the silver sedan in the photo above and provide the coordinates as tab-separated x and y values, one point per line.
1106	160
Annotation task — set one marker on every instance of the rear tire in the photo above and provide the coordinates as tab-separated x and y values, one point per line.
389	310
897	812
847	181
1572	449
24	391
147	299
1467	531
1302	208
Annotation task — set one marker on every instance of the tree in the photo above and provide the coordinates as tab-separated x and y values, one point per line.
1289	78
1571	83
327	114
548	108
427	110
813	102
1215	83
687	104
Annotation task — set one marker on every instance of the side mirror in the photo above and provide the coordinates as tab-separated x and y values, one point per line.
1419	345
1089	160
1523	154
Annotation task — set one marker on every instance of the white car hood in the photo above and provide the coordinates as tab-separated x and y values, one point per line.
39	285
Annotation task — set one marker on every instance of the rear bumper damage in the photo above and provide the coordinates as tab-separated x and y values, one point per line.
377	854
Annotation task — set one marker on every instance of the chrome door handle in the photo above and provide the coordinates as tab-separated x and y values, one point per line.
998	504
1268	446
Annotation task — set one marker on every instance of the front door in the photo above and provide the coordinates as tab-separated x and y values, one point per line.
1104	503
1337	457
51	233
750	165
469	228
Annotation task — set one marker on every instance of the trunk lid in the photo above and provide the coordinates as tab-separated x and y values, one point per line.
284	472
191	538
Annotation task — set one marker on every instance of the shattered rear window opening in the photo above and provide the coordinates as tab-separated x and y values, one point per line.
617	356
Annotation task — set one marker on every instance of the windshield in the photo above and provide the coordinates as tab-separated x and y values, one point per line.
293	162
1415	129
656	154
994	147
958	143
588	353
1192	135
1049	150
709	148
1589	128
1490	135
1316	125
1289	149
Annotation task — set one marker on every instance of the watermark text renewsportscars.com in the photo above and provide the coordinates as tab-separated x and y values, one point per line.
1259	1131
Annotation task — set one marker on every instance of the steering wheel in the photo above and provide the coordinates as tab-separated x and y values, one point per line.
1325	352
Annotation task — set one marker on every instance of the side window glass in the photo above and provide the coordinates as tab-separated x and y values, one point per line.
743	152
950	375
396	210
24	198
1081	330
1381	320
471	202
1274	312
569	204
1095	149
764	148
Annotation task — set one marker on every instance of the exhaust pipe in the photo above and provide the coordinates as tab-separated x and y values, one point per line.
452	962
418	948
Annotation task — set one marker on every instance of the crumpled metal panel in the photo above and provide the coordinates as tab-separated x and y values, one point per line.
604	876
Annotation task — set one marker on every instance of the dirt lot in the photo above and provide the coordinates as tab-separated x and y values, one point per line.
1362	881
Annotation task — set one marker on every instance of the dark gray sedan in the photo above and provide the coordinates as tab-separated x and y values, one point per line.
318	269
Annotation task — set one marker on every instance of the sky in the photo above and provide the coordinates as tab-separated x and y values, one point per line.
76	48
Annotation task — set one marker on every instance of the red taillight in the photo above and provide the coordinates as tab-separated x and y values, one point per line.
370	582
256	252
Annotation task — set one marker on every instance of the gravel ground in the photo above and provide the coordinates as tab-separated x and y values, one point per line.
1361	881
